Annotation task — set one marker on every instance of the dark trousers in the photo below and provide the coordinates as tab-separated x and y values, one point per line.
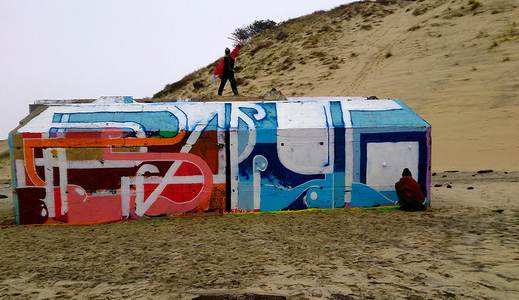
410	205
233	85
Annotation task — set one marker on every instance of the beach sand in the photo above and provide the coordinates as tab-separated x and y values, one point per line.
466	245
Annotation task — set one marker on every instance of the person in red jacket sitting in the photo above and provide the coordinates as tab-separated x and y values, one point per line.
410	195
225	70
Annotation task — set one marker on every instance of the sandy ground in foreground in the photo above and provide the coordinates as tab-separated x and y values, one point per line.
463	247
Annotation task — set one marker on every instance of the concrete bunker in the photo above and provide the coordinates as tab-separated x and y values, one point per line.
114	158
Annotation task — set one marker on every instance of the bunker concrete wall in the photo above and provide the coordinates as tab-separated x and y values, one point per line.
112	160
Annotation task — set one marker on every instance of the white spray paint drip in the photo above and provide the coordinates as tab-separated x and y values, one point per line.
20	173
125	196
63	179
49	183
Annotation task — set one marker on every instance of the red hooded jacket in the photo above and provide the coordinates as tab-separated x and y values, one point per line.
218	71
409	190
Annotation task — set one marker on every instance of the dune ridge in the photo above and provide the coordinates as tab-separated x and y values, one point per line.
454	62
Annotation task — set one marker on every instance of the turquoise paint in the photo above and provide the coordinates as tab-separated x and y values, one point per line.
365	196
387	118
128	99
338	192
151	121
390	195
243	135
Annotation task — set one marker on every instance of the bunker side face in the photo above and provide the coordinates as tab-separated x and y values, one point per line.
114	158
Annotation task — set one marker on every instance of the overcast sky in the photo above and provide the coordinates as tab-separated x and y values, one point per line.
62	49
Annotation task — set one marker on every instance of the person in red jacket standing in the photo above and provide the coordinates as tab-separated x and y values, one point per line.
410	195
225	70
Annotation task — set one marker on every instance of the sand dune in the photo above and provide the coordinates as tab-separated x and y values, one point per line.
454	62
5	167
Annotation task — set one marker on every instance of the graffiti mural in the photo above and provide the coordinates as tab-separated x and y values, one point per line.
116	158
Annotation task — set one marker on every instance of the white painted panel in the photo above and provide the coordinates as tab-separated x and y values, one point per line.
304	139
385	162
305	151
302	115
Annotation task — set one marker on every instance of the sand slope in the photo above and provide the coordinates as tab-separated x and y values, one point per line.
5	166
454	62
